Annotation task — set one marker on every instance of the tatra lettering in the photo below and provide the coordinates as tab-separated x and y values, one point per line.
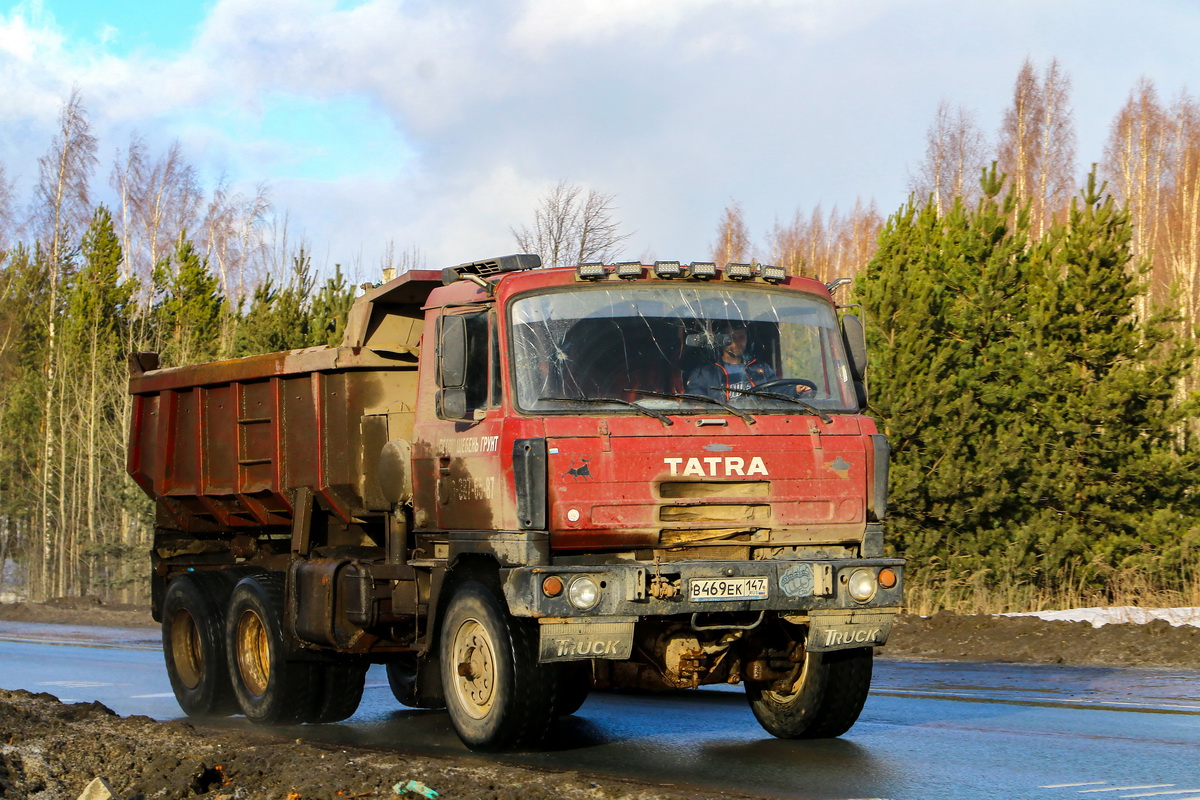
716	466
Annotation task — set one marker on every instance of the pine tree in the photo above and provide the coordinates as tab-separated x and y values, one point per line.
1111	481
944	304
189	308
330	309
278	319
98	317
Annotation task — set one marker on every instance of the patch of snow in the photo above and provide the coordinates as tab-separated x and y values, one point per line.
1118	614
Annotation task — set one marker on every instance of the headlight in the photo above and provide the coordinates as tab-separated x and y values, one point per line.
862	585
583	592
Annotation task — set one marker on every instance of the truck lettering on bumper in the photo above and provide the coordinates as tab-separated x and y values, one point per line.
838	638
562	640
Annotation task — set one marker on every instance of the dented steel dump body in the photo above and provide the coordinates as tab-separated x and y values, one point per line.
661	474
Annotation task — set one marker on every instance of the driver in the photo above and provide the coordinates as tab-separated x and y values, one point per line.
732	369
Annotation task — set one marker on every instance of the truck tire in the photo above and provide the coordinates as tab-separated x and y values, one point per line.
193	633
270	689
498	695
826	700
340	690
575	682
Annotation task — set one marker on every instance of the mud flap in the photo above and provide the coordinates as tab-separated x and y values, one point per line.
563	640
839	630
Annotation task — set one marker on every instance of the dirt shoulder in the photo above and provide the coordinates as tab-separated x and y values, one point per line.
76	611
53	750
952	637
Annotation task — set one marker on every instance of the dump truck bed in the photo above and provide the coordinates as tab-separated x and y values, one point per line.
223	446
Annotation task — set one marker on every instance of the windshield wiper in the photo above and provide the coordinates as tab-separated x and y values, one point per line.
703	398
649	412
777	396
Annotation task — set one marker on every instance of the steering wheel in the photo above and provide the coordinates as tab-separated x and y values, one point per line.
775	383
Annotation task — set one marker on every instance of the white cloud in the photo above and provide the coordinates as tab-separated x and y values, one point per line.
676	106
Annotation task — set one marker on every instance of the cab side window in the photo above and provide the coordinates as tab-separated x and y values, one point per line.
464	375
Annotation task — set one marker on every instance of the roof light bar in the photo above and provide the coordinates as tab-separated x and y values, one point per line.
592	271
629	270
667	269
773	274
702	270
738	272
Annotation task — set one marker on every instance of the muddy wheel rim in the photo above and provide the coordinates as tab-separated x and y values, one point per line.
784	698
474	668
253	653
186	649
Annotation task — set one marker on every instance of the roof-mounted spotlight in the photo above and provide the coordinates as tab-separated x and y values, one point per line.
702	270
772	274
836	283
629	270
593	271
739	272
667	269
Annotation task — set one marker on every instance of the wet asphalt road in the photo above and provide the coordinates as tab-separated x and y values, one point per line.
929	730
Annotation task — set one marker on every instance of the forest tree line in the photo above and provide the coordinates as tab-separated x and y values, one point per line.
169	269
1033	333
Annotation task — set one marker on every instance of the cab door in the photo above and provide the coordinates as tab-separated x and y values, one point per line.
461	440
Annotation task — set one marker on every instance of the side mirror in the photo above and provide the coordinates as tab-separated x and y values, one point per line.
452	403
856	344
452	353
855	337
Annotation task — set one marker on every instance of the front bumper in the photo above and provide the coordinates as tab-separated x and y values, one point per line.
645	590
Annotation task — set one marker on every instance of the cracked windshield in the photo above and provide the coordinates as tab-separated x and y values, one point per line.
663	350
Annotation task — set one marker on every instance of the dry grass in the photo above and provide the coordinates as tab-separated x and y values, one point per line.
935	589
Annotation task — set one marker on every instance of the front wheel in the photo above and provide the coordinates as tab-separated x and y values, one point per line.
498	695
824	702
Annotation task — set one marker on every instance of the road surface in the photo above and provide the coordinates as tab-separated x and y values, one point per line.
929	730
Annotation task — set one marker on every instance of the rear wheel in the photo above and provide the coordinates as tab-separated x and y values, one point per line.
498	695
270	689
194	645
824	702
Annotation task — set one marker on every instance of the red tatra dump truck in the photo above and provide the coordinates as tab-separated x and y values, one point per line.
511	485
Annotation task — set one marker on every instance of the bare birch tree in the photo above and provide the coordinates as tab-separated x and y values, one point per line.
1037	142
1136	166
955	153
732	245
571	227
233	235
61	210
128	170
825	248
8	223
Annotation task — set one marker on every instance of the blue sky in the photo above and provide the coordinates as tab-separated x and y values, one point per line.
438	124
123	27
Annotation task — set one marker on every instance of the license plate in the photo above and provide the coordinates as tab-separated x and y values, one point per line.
712	590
